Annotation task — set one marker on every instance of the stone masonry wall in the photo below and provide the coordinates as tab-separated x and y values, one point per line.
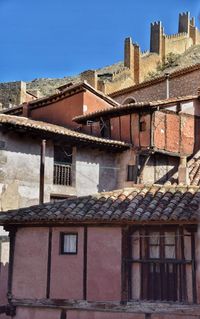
12	93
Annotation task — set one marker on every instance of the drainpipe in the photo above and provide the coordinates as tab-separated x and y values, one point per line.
167	85
183	174
42	166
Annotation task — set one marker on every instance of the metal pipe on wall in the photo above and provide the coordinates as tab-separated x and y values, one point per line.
42	168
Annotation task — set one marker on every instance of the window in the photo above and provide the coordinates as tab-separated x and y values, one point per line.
68	243
142	126
62	165
129	100
105	128
131	173
162	265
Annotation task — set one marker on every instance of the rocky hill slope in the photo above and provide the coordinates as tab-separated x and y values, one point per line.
174	62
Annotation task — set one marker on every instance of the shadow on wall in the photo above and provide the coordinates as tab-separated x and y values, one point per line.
3	287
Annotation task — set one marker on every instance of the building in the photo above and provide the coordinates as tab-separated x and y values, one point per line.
164	136
60	108
131	253
42	162
179	83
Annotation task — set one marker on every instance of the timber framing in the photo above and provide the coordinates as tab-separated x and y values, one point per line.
115	307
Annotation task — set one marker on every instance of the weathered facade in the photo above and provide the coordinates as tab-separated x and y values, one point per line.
114	255
75	164
161	133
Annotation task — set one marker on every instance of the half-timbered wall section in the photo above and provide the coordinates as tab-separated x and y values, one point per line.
107	256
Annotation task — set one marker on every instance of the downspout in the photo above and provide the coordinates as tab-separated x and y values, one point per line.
42	167
167	85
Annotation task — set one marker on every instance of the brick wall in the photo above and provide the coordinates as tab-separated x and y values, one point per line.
175	132
182	85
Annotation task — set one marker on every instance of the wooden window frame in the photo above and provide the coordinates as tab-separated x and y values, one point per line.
130	177
62	236
178	264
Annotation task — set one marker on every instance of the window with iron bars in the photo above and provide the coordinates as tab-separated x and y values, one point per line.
62	165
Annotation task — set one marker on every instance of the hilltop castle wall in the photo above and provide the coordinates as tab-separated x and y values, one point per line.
161	45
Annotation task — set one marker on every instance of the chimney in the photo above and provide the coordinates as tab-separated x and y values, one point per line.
183	173
91	77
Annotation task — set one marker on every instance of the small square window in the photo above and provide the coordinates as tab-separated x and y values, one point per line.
68	243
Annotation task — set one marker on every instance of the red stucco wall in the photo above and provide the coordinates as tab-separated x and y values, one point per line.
30	263
60	112
37	313
94	102
66	270
104	264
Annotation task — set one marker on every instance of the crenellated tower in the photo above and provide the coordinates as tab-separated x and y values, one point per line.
156	38
161	45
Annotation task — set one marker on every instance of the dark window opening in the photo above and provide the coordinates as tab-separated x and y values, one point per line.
105	128
131	173
162	265
129	100
142	126
62	165
68	243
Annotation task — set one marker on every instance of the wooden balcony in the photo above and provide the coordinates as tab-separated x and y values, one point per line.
62	174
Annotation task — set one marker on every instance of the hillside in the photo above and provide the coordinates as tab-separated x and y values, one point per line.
174	62
47	86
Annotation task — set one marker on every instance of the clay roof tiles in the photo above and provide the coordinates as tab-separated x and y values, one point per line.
139	204
18	122
127	108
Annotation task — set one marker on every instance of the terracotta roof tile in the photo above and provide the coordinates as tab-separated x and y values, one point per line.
18	122
139	204
127	108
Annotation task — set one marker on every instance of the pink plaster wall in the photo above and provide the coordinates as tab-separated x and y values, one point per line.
104	264
102	315
66	270
37	313
30	263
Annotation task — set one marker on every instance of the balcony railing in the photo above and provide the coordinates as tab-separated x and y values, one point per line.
62	174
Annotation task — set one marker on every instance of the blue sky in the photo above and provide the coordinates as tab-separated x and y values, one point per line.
56	38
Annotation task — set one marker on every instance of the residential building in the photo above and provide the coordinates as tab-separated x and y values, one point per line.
164	136
42	162
130	253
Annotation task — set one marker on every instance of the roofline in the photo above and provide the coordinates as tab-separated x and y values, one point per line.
71	222
159	79
130	108
71	90
13	110
17	121
99	222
